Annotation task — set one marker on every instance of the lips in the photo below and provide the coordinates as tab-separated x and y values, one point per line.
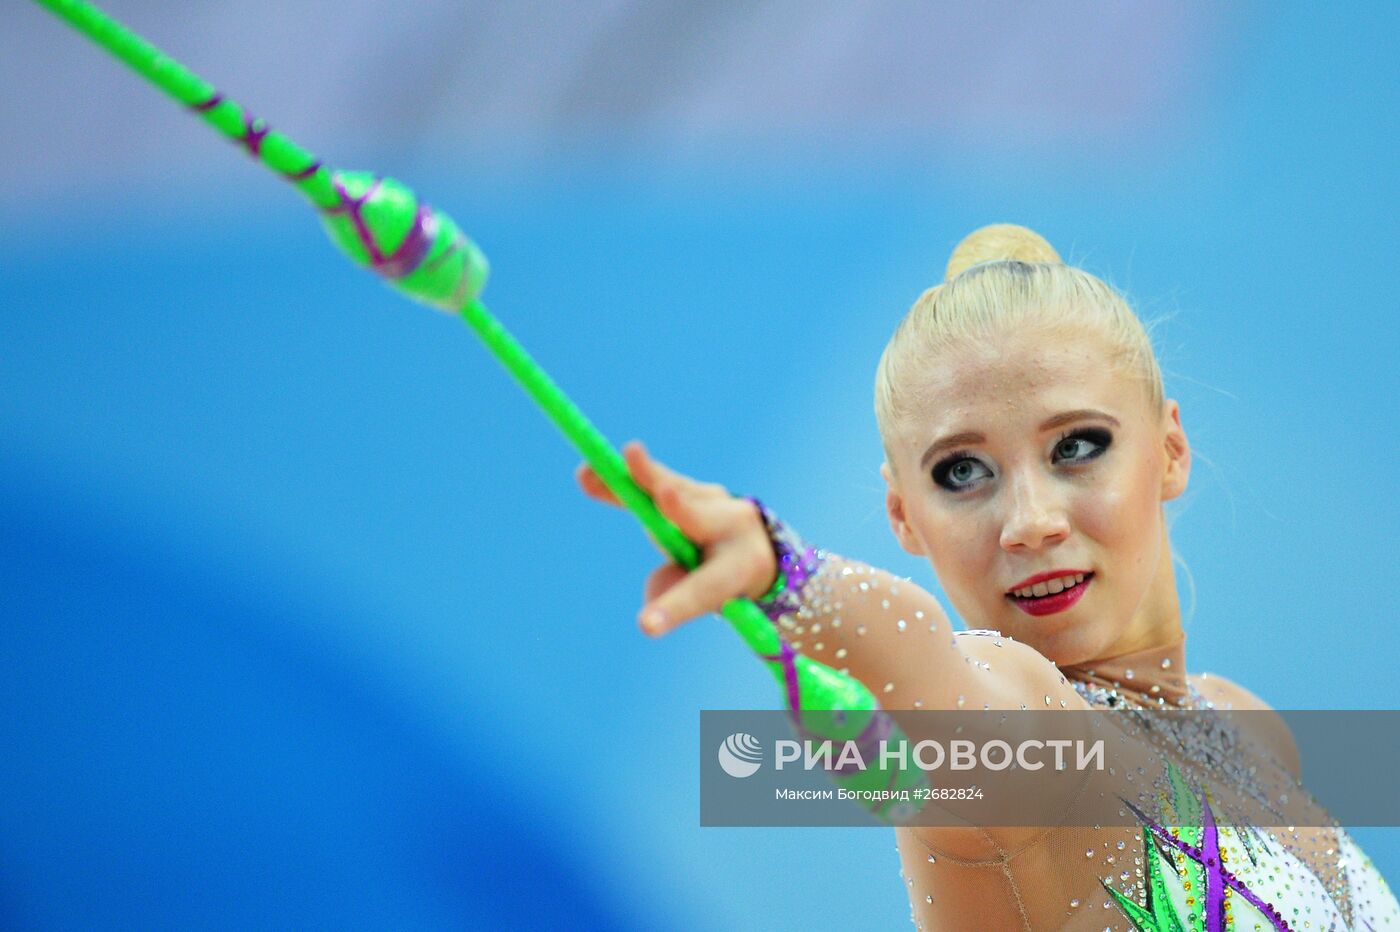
1054	602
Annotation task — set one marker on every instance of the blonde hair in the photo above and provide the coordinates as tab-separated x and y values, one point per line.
1002	275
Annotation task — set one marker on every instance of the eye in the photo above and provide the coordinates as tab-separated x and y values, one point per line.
1082	445
958	472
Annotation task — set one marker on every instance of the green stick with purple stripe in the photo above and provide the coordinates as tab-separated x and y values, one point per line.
381	224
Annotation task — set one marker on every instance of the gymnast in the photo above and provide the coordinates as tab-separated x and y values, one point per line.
1029	447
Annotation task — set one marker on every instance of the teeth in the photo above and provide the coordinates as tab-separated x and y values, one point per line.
1049	587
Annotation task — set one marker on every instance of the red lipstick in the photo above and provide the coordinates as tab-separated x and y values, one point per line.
1056	602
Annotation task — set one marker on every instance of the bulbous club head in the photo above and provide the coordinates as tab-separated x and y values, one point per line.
381	224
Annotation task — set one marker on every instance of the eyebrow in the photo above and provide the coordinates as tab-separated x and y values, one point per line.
970	437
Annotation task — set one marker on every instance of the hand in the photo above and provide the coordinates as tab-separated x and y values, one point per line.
737	558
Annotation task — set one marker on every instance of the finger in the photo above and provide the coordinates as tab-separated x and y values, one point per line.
650	473
593	486
701	518
701	592
661	580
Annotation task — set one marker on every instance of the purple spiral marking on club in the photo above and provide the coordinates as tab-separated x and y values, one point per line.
414	248
254	132
867	743
889	804
452	249
458	244
416	243
787	657
1217	877
306	172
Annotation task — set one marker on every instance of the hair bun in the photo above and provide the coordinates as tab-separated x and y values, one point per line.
999	241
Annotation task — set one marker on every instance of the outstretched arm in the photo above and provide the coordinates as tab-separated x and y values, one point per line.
894	636
884	630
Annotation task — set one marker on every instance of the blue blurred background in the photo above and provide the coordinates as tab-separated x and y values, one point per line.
304	620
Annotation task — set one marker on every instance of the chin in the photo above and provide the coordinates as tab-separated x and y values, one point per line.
1064	639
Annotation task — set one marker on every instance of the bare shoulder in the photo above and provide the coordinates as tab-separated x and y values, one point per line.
1227	694
1019	676
1269	729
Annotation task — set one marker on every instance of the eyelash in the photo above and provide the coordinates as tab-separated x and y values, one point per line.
1098	436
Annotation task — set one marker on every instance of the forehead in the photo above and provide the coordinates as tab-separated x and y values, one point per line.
987	385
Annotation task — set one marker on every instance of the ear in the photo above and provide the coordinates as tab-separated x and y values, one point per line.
894	506
1178	452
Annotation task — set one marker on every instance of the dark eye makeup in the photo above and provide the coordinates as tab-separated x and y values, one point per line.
958	471
1084	444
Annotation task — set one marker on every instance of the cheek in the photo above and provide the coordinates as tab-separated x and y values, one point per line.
1120	510
962	545
1102	512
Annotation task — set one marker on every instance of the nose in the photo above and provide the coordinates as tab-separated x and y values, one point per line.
1036	518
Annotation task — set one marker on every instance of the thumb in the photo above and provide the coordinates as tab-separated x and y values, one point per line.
662	579
699	592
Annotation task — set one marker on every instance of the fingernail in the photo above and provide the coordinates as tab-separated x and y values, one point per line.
653	619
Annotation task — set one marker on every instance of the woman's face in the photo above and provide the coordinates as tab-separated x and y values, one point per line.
1033	480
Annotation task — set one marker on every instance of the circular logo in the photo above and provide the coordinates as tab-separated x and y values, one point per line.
740	755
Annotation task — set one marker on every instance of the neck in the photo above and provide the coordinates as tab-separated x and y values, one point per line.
1157	622
1148	659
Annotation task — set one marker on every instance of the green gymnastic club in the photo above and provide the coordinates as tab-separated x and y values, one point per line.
930	755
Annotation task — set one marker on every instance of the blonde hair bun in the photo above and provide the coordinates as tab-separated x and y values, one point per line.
999	241
1003	276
